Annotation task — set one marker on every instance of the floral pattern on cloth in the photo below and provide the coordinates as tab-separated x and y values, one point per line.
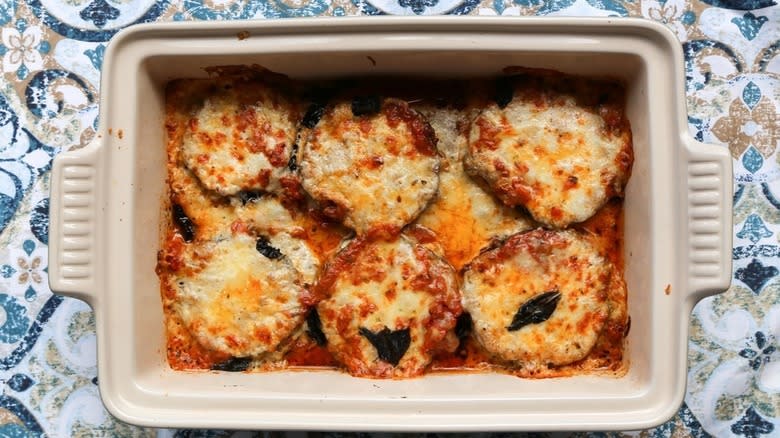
51	52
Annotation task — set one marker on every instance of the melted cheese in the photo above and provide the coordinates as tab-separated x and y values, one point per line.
268	217
267	214
551	155
395	285
371	167
303	259
211	217
498	282
236	301
464	216
232	146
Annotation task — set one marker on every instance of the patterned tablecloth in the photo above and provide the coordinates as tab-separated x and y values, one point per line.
51	56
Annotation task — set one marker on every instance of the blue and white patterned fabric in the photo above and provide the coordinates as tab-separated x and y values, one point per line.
50	57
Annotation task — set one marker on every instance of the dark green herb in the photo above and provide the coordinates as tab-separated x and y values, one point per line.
537	309
366	105
292	164
313	115
185	224
391	345
233	364
314	328
264	247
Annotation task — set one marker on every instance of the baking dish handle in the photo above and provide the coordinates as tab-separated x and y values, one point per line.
709	206
73	222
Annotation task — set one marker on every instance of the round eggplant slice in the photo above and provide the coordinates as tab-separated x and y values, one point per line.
390	306
552	151
241	139
540	299
236	299
373	170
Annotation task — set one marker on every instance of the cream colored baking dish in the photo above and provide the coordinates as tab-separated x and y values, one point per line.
105	220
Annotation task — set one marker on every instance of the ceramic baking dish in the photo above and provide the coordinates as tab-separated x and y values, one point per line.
105	222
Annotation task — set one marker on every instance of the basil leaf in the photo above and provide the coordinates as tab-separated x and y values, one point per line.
537	309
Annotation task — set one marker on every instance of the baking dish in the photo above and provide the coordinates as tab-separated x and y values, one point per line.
105	223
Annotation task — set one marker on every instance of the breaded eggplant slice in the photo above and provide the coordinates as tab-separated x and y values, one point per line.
267	216
372	171
241	137
215	219
239	296
559	150
203	213
390	306
540	299
465	216
208	214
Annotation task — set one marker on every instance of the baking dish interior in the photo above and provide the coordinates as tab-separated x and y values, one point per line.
653	341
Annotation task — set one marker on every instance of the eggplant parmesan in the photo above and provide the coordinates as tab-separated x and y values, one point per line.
371	163
390	306
241	136
539	299
198	214
465	211
394	227
557	146
238	296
